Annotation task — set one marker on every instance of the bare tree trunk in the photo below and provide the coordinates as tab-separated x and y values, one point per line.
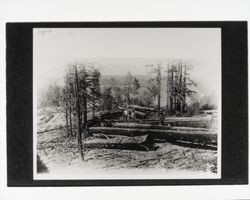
180	89
172	87
70	121
78	113
128	98
184	88
159	90
167	98
85	111
93	111
66	116
159	101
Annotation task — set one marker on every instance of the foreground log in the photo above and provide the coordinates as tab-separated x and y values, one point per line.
198	136
139	143
198	145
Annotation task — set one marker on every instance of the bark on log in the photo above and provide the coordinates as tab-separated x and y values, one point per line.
189	119
161	127
119	142
190	123
198	136
141	108
140	113
121	108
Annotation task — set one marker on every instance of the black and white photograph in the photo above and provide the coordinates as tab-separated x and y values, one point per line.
124	99
126	103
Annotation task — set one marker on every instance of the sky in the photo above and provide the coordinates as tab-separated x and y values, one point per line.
115	51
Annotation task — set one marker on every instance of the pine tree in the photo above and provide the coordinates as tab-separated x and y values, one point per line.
134	89
107	99
94	90
155	82
128	84
78	112
178	86
75	96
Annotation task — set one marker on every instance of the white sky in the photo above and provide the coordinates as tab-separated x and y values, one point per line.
119	50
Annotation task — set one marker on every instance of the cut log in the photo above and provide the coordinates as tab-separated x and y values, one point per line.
193	129
187	123
98	138
203	145
141	108
121	108
198	136
161	127
142	114
138	143
197	124
188	119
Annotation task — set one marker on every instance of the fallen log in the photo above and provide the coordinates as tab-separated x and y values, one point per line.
190	123
197	124
139	143
198	136
121	108
140	113
99	138
206	146
161	127
193	129
141	108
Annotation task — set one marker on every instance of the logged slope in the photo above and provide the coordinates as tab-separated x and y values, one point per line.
115	154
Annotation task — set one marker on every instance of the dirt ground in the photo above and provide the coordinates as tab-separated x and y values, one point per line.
58	152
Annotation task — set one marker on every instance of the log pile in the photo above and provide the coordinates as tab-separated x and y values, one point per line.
189	132
168	135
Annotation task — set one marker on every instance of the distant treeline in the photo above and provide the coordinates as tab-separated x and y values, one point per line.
109	93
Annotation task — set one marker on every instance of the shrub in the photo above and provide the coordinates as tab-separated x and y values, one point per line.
41	167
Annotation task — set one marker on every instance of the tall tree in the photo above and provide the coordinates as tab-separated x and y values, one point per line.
117	93
76	101
66	107
107	99
83	93
179	86
131	86
94	89
78	112
156	81
69	97
135	88
128	87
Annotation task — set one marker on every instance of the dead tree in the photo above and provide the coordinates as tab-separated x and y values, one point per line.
78	113
156	80
70	119
67	93
66	107
67	118
178	86
94	90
